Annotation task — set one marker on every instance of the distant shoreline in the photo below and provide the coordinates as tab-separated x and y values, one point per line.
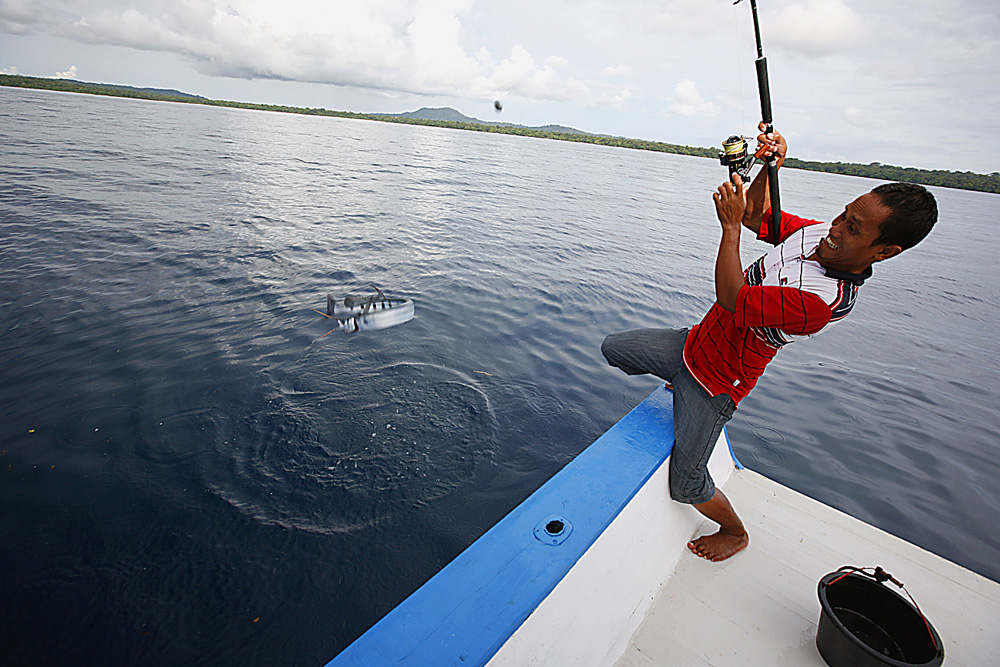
964	180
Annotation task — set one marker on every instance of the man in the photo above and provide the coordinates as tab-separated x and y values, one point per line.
810	279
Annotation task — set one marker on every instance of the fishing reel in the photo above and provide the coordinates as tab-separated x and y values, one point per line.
736	156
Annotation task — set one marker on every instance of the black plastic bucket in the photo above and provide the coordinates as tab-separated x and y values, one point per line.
863	623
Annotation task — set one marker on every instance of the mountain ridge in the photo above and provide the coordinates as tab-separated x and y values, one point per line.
450	115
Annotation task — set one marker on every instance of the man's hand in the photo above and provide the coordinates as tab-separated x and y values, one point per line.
758	197
730	203
771	143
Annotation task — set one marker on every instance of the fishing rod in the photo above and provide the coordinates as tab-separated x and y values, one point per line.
735	154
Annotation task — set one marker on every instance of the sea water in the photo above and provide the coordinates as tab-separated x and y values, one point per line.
192	472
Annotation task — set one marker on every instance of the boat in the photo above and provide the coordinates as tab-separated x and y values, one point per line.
592	570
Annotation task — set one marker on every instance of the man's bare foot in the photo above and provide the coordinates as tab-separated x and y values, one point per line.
720	545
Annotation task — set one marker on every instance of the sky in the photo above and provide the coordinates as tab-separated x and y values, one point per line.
914	83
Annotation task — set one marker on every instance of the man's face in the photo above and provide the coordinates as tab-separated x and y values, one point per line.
848	246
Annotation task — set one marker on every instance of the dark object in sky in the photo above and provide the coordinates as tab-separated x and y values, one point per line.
498	105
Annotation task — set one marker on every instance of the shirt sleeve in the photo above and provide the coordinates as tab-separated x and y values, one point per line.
790	309
789	225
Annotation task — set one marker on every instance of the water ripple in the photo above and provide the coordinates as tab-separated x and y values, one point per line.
345	464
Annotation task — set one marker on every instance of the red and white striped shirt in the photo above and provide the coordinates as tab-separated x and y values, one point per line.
786	297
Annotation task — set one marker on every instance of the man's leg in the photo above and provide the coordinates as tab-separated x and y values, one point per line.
658	352
697	417
698	422
731	537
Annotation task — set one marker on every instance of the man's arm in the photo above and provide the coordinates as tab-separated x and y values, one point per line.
730	203
758	194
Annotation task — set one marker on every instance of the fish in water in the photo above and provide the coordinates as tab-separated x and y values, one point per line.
365	313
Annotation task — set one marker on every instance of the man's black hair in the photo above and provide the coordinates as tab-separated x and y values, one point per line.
912	214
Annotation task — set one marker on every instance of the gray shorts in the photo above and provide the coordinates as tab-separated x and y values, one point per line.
698	417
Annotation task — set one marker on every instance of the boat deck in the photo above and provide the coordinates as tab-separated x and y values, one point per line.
761	607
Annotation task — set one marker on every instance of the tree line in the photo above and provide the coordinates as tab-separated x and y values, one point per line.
965	180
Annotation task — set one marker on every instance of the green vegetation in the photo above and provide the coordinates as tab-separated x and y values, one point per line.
965	180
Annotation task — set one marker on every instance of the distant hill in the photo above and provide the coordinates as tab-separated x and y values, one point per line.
449	115
166	92
437	113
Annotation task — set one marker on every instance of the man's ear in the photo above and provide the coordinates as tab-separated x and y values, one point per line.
887	251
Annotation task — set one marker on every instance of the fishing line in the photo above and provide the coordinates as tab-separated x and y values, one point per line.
802	265
739	67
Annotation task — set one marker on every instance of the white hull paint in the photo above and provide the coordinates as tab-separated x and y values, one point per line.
588	619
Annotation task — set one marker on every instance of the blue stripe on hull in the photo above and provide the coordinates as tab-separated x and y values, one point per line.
468	610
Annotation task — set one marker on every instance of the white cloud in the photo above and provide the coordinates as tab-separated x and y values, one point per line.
689	103
519	74
683	17
618	72
816	28
858	116
484	56
613	101
68	74
21	11
17	16
14	28
414	46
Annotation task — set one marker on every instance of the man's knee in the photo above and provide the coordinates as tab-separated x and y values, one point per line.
608	347
611	348
606	344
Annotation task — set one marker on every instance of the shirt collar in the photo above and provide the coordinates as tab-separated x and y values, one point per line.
856	278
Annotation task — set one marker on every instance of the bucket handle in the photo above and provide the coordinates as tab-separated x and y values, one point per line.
881	576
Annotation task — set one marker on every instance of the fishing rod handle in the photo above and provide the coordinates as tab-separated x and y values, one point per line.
772	183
